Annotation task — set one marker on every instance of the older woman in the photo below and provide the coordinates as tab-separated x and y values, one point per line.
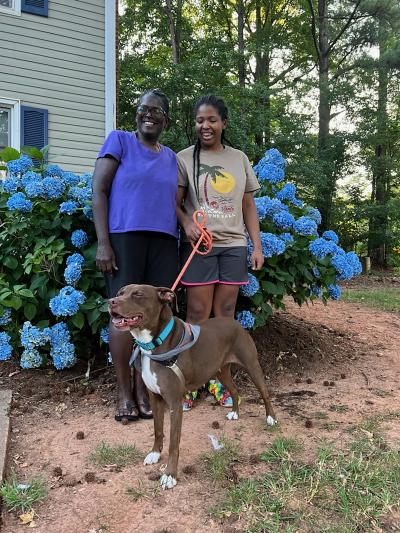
135	183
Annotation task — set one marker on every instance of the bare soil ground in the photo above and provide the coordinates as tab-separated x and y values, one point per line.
328	368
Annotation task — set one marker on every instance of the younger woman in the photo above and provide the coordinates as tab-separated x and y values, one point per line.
219	180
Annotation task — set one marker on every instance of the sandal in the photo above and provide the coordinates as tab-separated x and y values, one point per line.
129	412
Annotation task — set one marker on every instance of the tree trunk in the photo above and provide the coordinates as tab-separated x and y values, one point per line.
378	223
174	23
241	60
327	185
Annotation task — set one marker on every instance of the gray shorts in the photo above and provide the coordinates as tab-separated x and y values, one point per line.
224	264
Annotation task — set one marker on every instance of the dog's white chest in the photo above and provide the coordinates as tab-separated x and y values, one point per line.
149	377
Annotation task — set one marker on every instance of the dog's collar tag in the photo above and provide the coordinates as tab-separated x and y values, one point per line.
148	346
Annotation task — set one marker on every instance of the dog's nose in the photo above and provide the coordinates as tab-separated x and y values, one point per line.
111	301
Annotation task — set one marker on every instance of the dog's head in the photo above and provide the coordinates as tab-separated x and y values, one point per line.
139	306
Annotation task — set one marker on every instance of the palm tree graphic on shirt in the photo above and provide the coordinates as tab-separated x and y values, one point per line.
220	180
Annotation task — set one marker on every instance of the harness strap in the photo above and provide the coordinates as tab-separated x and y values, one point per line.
178	372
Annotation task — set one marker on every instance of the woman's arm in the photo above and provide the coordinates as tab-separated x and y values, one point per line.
189	227
104	172
252	224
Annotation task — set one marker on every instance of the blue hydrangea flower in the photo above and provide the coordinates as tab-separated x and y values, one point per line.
11	184
31	358
251	288
54	171
269	172
88	212
316	272
81	194
316	291
286	237
76	258
312	212
354	261
343	268
334	291
104	335
67	302
21	165
267	206
63	355
72	273
86	180
53	187
5	347
5	318
58	334
68	207
297	202
320	248
305	226
288	192
79	238
271	244
283	220
70	179
30	176
330	235
32	336
273	155
246	319
19	202
35	189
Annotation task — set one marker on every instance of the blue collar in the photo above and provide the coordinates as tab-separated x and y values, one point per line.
148	346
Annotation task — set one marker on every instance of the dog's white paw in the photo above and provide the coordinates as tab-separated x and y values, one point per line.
271	421
152	458
167	482
232	415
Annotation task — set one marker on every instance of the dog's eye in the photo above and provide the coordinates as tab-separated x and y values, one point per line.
137	294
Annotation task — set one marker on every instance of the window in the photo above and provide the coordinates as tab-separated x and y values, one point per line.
9	122
12	7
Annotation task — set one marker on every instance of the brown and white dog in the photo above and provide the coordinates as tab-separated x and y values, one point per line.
145	311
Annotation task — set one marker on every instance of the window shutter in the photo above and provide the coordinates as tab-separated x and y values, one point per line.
34	126
36	7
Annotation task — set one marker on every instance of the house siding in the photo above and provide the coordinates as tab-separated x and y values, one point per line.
57	63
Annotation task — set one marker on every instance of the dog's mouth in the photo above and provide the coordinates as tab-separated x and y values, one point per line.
123	321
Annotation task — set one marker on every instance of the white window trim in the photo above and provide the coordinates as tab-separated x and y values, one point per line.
15	8
110	65
15	106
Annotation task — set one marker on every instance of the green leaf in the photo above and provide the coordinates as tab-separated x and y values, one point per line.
273	288
10	262
26	292
9	154
37	281
78	320
33	152
29	310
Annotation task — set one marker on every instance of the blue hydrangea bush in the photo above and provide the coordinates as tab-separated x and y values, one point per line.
51	294
52	307
299	262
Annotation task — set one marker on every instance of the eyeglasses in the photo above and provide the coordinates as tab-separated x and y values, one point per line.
156	112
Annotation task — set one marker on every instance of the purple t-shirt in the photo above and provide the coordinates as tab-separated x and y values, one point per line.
143	191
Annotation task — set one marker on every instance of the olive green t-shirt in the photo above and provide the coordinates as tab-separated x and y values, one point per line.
224	178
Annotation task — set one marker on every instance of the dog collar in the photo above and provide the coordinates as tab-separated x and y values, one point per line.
148	346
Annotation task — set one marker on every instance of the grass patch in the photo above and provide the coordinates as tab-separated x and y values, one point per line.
386	298
19	496
219	463
121	455
280	449
348	490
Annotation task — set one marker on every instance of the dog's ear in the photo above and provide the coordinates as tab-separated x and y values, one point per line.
167	296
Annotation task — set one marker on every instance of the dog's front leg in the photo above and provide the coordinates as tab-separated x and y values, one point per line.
169	479
157	406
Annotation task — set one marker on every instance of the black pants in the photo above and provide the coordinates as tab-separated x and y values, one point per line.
143	257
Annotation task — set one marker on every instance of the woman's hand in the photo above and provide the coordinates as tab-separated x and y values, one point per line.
257	259
105	259
192	231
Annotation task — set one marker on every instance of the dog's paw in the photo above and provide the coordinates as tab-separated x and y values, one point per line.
167	482
232	415
152	458
271	421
